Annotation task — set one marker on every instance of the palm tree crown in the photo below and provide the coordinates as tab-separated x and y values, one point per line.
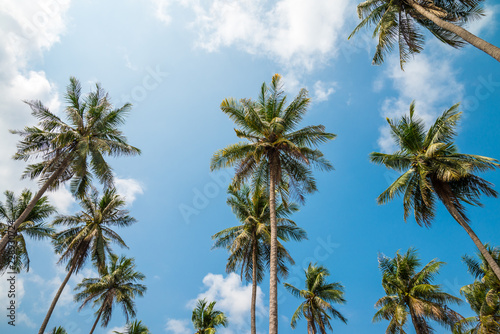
75	149
411	292
275	154
483	296
319	295
80	144
135	327
34	227
118	284
253	211
89	234
397	23
206	319
433	169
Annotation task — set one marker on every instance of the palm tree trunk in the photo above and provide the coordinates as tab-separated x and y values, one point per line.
273	280
54	301
448	203
310	327
254	287
472	39
96	320
33	202
416	324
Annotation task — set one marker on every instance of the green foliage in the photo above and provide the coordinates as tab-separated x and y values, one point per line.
79	145
431	166
34	227
273	142
206	319
398	24
118	284
135	327
319	295
89	232
58	330
410	292
252	210
483	296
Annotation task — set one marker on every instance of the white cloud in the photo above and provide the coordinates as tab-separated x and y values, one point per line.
233	298
161	10
322	91
61	199
430	81
293	32
129	189
27	29
176	326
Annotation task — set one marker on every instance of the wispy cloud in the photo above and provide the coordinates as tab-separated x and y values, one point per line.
430	80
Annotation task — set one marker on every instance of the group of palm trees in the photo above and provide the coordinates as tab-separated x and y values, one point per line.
273	167
75	151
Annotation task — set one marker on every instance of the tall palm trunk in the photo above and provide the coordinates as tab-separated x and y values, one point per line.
33	202
273	280
416	323
54	301
254	286
450	205
97	320
472	39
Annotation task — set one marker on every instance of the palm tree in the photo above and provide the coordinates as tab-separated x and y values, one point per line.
73	150
206	319
117	284
34	226
275	155
248	244
487	307
397	22
58	330
135	327
89	233
431	167
319	295
411	292
483	296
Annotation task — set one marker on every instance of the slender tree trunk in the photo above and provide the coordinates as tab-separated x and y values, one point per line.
310	327
479	43
33	202
96	320
54	302
273	280
448	203
254	287
416	324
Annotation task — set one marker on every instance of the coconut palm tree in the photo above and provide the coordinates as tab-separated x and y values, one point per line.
135	327
398	22
248	244
89	234
206	319
486	306
275	155
483	296
75	149
411	292
319	296
58	330
16	258
433	168
117	284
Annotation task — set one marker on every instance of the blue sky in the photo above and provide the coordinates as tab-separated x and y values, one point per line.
175	61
